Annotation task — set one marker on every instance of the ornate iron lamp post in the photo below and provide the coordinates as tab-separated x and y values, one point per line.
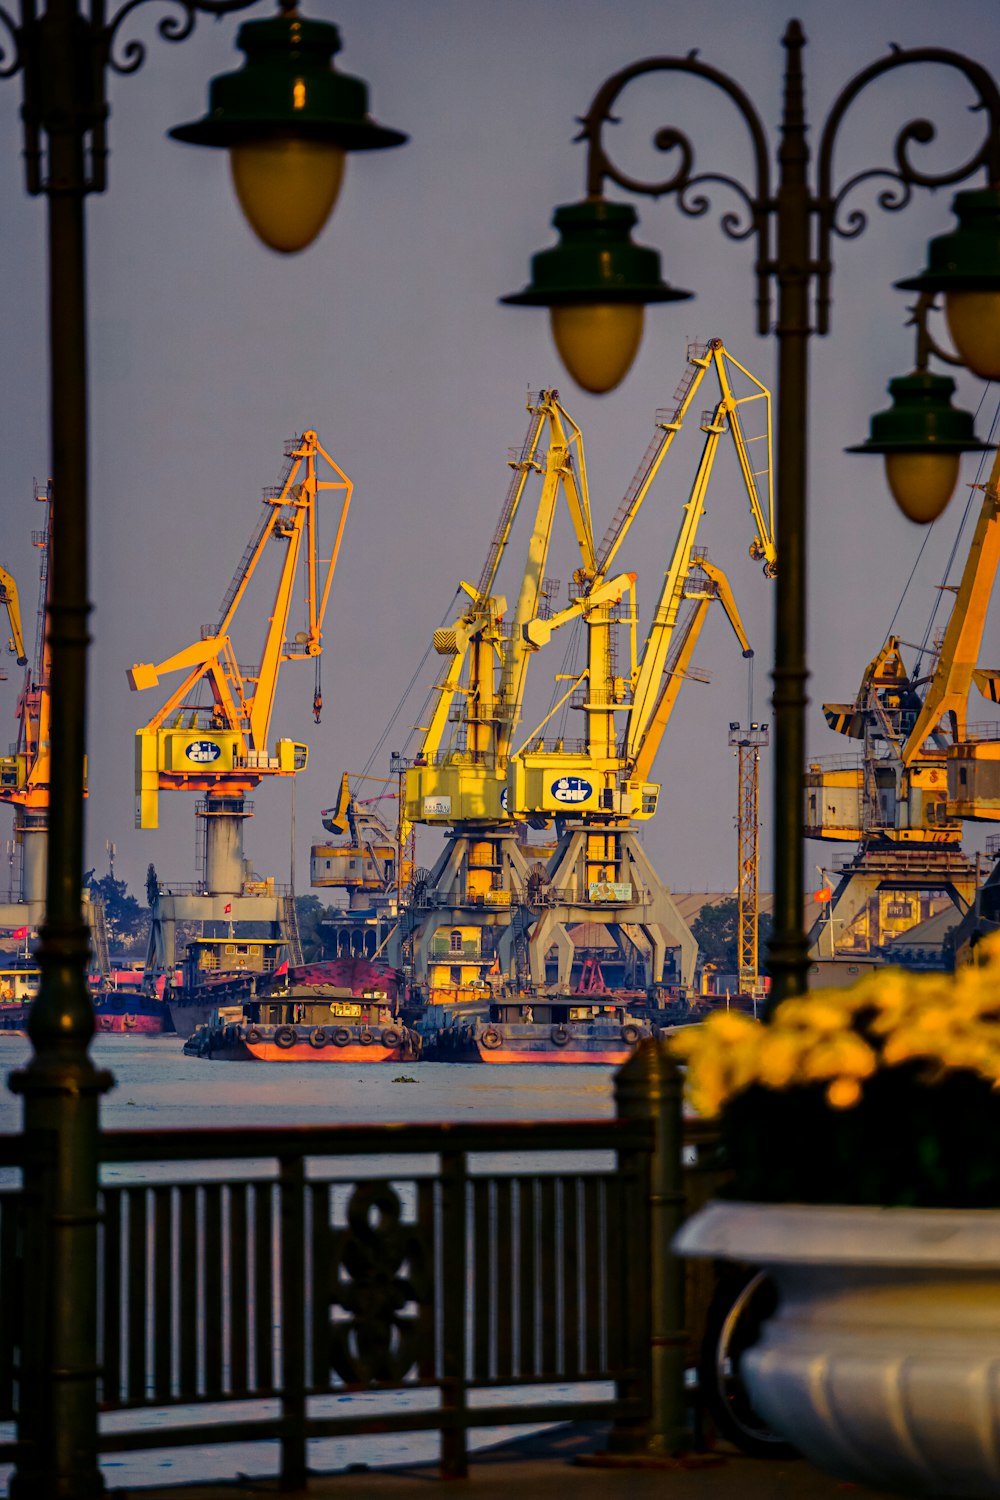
596	283
295	114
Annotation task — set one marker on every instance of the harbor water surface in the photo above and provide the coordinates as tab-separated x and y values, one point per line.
158	1088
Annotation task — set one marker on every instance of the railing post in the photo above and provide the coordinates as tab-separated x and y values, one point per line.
649	1087
454	1277
294	1472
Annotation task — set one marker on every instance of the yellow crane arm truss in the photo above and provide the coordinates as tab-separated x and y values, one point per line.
8	598
646	694
244	701
561	472
481	624
715	585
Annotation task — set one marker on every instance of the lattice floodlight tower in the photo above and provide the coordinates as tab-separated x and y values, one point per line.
748	744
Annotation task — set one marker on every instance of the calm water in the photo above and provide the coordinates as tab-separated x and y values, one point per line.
158	1088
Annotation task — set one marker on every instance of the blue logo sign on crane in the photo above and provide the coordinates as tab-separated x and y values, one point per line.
572	789
203	751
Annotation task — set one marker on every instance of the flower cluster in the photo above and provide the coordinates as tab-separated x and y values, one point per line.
886	1092
841	1037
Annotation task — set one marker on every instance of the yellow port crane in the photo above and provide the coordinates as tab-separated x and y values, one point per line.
24	774
221	747
922	771
458	779
370	861
211	735
597	788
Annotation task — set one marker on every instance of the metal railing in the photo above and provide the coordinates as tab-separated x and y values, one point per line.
241	1267
303	1280
445	1280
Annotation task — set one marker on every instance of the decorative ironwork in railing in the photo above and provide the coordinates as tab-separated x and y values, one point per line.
289	1278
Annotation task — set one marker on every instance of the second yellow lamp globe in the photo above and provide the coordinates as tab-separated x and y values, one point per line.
287	118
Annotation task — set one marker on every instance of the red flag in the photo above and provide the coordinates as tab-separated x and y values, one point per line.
22	932
281	969
227	908
823	896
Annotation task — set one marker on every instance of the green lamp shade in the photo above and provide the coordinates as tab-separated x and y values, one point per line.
922	437
596	282
965	266
288	117
595	261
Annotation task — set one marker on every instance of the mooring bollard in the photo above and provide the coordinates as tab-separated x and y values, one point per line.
650	1087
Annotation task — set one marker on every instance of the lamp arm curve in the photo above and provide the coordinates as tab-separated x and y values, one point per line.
601	167
906	175
172	28
11	58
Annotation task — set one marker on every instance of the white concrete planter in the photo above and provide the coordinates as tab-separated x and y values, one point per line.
882	1363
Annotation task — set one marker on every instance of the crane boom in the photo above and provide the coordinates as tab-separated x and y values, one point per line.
463	783
607	774
646	687
9	600
223	748
713	585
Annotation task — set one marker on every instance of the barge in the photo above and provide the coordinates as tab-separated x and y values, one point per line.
548	1029
308	1022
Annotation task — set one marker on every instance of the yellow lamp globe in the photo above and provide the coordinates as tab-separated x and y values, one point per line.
597	342
973	320
287	188
922	483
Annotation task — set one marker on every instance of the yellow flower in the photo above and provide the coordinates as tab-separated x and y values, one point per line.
843	1093
780	1058
706	1087
814	1014
731	1026
846	1055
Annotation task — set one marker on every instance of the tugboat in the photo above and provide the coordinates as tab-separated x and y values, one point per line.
313	1018
18	988
544	1029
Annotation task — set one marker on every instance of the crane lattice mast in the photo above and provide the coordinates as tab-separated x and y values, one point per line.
748	744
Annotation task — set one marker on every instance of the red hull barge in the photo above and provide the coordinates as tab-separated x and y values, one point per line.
128	1014
254	1041
307	1022
545	1031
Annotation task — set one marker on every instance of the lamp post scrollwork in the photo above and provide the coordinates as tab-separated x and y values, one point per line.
792	220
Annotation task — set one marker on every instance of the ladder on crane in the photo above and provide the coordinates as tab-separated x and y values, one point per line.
99	938
290	931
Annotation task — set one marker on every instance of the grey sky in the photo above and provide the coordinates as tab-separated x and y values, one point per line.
208	352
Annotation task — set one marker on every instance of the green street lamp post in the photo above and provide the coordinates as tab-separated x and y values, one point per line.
597	283
299	114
